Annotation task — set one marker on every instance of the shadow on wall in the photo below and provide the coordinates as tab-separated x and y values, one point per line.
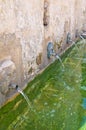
46	13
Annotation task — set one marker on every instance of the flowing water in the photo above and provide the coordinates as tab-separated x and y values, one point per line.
58	57
25	97
58	97
75	45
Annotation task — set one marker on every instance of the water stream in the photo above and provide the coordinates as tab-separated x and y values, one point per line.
25	97
58	57
76	45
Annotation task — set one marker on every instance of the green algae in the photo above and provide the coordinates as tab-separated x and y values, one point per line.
57	97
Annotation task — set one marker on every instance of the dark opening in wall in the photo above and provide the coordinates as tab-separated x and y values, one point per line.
46	15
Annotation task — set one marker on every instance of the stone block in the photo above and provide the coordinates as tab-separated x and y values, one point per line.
7	75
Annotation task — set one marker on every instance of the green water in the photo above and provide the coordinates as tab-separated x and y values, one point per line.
57	97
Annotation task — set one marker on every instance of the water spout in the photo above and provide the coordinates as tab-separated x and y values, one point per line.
68	40
82	37
25	97
16	87
51	52
58	57
75	45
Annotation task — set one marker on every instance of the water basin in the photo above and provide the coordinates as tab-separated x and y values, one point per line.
58	97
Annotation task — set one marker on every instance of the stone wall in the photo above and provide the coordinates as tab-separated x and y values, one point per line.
26	27
63	17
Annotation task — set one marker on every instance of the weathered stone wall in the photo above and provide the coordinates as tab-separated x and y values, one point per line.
25	29
21	39
63	17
